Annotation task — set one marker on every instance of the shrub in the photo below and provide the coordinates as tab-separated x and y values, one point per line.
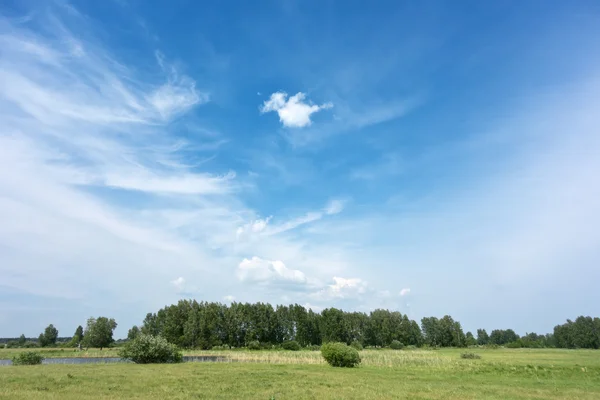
470	356
410	347
254	345
396	345
148	349
27	358
357	345
313	347
291	345
340	355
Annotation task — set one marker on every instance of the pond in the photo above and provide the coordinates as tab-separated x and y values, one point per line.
111	360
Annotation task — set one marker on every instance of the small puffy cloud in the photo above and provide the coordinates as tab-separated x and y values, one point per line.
343	288
293	112
258	270
404	291
179	284
229	298
255	226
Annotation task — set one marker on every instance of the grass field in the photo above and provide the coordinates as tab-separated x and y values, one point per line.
384	374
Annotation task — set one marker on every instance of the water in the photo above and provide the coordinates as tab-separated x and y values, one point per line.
112	360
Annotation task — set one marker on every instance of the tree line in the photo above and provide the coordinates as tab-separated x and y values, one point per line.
206	325
192	324
98	333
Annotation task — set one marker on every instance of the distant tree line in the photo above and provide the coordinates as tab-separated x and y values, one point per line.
204	325
192	324
98	333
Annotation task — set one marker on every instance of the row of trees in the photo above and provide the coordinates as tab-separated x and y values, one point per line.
98	333
192	324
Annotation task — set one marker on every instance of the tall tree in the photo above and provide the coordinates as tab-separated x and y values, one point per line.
78	336
49	336
22	340
133	332
470	339
99	332
482	337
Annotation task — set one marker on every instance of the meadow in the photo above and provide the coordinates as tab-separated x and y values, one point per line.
383	374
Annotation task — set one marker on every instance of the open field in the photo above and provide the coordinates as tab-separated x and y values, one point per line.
385	374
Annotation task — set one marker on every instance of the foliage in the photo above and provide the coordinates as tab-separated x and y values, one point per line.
583	333
396	345
357	345
133	332
27	358
470	356
99	332
443	332
148	349
254	345
291	345
470	339
340	355
482	337
204	325
48	338
77	337
22	340
502	336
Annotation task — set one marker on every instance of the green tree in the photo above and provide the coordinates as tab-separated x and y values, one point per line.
49	336
133	332
332	325
432	334
78	336
99	332
470	339
482	337
22	340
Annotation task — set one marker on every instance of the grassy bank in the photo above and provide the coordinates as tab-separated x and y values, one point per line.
386	374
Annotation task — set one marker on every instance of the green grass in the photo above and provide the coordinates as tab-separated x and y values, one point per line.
384	374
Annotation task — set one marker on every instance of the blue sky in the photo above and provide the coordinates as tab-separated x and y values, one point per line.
430	157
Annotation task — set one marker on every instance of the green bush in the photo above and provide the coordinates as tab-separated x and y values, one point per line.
291	345
396	345
470	356
148	349
27	358
357	345
313	347
254	345
340	355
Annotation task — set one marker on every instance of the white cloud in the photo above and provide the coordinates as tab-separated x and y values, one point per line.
343	288
334	207
258	270
405	291
256	226
229	298
179	284
293	112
